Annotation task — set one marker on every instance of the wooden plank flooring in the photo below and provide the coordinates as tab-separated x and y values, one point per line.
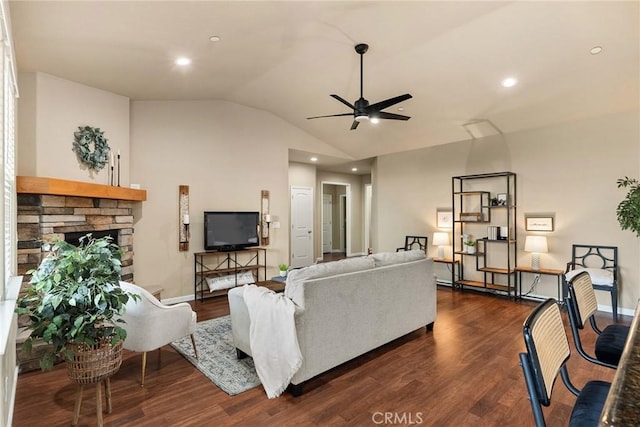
464	373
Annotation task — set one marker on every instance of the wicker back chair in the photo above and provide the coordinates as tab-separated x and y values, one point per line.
582	306
547	353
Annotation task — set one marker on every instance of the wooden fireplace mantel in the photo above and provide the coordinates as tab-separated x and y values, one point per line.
63	187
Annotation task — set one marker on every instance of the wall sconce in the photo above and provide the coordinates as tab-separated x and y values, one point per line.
266	217
441	239
183	215
536	245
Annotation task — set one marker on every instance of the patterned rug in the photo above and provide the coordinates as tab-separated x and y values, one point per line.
217	356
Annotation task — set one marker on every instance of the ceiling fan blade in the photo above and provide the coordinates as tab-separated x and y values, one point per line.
388	102
391	116
344	101
354	125
331	115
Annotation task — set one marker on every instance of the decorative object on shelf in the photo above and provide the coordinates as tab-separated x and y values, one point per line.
266	218
87	137
440	239
493	201
76	289
628	210
183	218
444	218
471	216
538	222
283	269
536	245
469	246
493	232
502	199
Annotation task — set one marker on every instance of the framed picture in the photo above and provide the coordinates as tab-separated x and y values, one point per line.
538	223
444	219
502	199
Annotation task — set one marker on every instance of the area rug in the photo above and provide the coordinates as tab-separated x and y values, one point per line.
217	356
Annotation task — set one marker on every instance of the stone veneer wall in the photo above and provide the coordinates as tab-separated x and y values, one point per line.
43	218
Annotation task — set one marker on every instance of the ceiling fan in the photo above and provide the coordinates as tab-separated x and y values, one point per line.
362	110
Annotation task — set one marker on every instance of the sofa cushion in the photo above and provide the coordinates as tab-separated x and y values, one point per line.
390	258
295	278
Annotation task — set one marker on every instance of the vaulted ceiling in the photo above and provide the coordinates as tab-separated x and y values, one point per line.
288	57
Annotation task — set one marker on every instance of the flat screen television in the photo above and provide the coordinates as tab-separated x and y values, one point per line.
230	231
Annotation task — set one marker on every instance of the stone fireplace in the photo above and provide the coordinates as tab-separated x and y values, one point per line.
50	209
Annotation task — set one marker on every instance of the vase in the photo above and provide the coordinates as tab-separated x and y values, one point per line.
283	273
471	249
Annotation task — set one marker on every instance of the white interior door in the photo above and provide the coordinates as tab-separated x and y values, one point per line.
327	227
343	222
301	226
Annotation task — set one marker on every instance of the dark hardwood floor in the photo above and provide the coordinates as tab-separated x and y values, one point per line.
464	373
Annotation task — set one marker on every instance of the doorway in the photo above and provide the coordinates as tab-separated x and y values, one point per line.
336	199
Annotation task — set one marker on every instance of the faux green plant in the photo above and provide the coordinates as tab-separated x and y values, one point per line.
628	210
469	243
73	297
283	267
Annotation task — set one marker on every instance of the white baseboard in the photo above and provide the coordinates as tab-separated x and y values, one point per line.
175	300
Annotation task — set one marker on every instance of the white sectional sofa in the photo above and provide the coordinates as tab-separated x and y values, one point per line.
349	307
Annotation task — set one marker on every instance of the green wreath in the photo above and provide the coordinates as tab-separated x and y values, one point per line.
85	137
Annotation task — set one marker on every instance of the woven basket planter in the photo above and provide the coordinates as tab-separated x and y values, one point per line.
92	364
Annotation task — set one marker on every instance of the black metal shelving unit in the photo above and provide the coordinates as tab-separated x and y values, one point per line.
475	210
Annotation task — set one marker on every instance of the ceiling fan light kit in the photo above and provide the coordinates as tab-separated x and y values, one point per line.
362	110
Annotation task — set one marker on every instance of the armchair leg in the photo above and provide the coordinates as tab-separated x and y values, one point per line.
159	357
614	304
193	341
144	367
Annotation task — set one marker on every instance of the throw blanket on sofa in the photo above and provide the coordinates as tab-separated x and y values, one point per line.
273	339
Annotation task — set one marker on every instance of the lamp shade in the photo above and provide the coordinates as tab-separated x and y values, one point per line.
440	238
536	244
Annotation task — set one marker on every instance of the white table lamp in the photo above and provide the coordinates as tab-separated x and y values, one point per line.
536	245
441	239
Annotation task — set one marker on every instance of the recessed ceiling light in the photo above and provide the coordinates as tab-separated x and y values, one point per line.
182	61
354	169
509	82
400	108
596	50
214	39
314	159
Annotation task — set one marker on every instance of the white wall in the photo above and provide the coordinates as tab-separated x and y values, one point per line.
50	110
569	169
226	153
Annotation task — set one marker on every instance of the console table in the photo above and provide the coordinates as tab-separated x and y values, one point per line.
227	263
542	271
455	265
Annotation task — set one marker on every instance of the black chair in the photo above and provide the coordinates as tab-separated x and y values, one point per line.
414	242
602	264
546	356
582	305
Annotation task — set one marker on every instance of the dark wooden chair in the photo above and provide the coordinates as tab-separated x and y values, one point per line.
414	242
582	305
547	353
602	264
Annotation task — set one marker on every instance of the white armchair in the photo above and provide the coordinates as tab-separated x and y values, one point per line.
151	324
